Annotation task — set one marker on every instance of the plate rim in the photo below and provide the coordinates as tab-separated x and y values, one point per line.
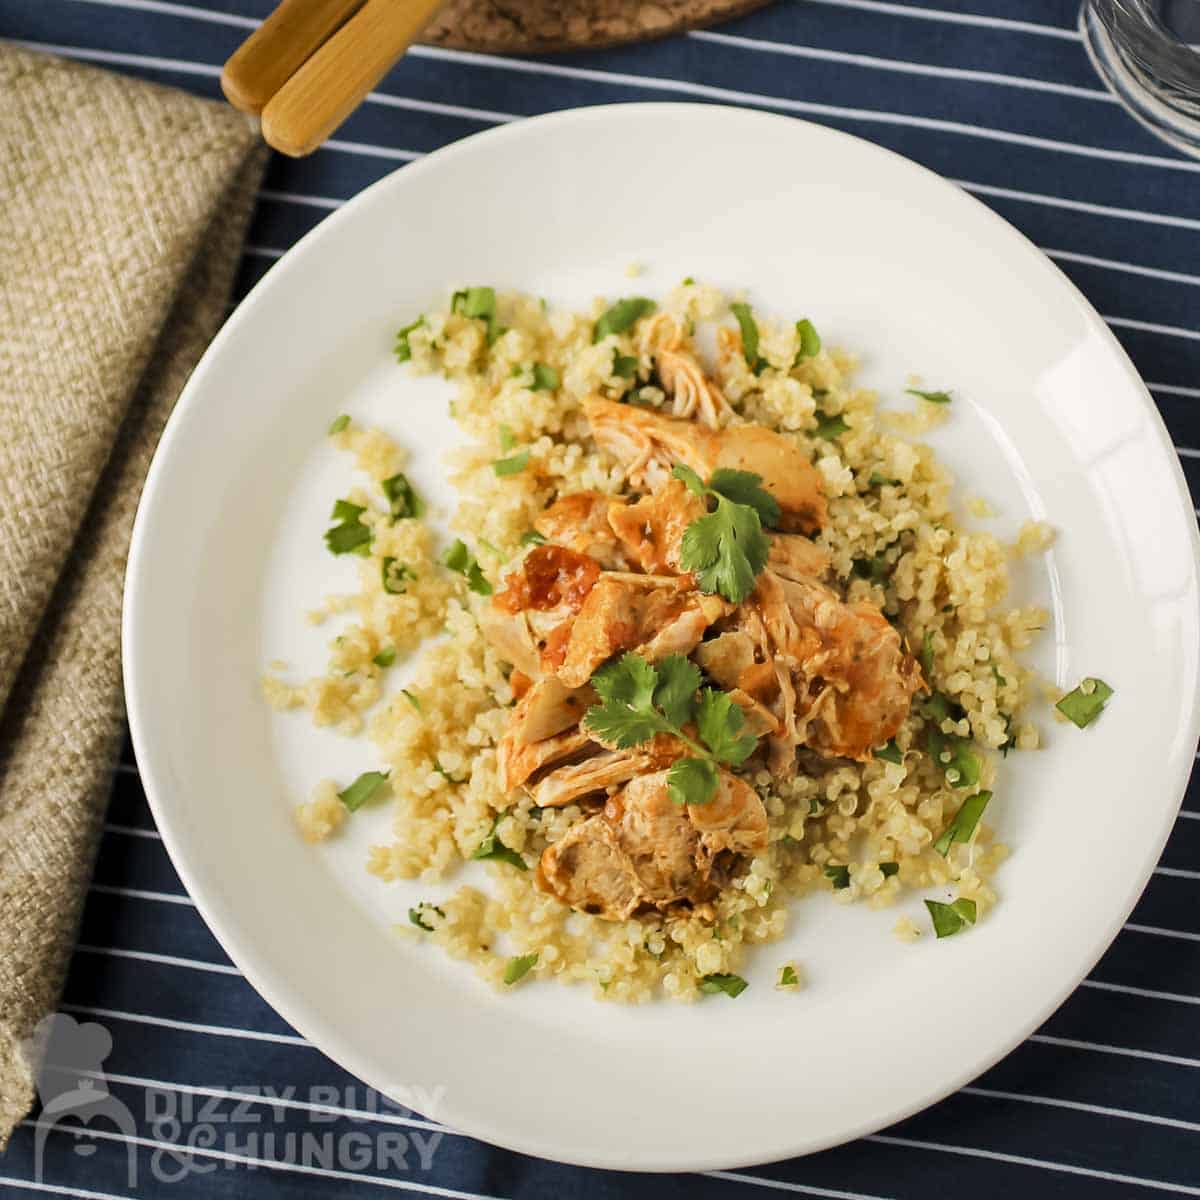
328	1040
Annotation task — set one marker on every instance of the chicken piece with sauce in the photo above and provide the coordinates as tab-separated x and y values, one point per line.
646	851
650	444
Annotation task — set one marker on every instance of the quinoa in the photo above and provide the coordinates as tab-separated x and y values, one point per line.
944	587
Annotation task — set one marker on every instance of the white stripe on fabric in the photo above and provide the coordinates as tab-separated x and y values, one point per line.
1186	452
1177	872
402	1185
1099	1110
1112	264
1175	389
1044	1164
305	201
1158	931
165	960
957	18
59	1189
1099	210
132	831
251	251
1175	1060
119	59
371	151
878	116
905	66
253	1035
1147	993
179	10
1150	327
125	769
1187	812
795	1189
106	889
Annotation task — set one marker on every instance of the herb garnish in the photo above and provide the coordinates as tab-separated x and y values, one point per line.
394	574
349	535
877	479
519	967
932	397
1083	705
624	366
749	328
362	789
889	869
731	985
385	657
889	752
338	424
963	825
402	500
402	349
787	977
415	915
531	537
411	699
478	303
948	919
459	559
494	849
621	316
952	753
927	655
839	876
727	548
545	378
511	466
640	700
810	341
830	427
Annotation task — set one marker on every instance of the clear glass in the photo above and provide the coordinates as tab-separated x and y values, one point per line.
1148	53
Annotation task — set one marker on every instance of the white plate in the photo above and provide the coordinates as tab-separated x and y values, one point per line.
1049	420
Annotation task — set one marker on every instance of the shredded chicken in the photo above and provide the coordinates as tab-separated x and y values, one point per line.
651	530
580	522
646	851
693	395
649	445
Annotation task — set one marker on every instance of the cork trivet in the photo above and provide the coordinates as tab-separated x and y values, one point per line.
536	26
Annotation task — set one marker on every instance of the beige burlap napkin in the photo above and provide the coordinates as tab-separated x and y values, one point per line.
123	210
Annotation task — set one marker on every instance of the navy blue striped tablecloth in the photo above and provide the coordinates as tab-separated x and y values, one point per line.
1104	1101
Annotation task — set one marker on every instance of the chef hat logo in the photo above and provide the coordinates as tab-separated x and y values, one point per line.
67	1058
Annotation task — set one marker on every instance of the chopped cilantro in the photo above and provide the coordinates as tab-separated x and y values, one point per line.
416	915
879	480
411	699
809	342
402	500
338	424
621	316
624	366
889	752
362	789
749	328
519	967
459	559
402	349
1083	705
478	303
493	849
531	537
545	379
394	574
948	919
787	977
829	427
732	985
507	440
349	535
839	876
385	657
889	869
963	825
511	466
932	397
927	655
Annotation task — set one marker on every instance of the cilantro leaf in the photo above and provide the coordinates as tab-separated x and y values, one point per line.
692	780
630	680
948	919
338	424
829	427
385	657
411	699
511	466
927	655
678	681
889	869
478	303
519	967
839	876
362	789
402	349
349	535
1083	705
545	379
726	549
732	985
624	366
494	850
932	397
877	479
809	339
459	559
621	316
963	825
507	440
690	479
394	574
787	977
745	487
749	328
719	722
889	752
402	500
531	537
416	915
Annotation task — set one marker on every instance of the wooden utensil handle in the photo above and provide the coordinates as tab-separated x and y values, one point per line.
270	56
327	88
